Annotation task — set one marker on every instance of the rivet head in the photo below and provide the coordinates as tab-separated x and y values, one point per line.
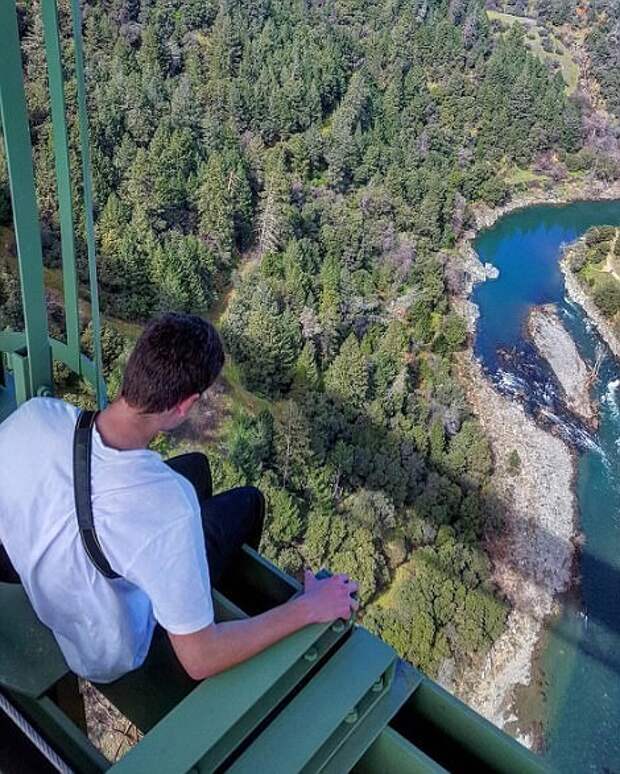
352	717
338	627
311	655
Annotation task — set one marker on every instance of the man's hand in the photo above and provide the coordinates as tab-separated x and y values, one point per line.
222	645
329	598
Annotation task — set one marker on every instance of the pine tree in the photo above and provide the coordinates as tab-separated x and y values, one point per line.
264	338
273	223
215	204
291	442
347	377
112	221
306	378
329	306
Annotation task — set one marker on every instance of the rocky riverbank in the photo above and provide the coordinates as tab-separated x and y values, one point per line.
557	347
562	193
576	293
483	217
532	555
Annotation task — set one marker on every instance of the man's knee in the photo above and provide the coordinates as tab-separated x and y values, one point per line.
200	463
256	510
195	467
257	499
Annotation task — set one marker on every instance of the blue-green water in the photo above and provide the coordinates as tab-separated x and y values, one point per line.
581	662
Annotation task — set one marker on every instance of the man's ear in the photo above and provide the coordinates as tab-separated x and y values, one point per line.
183	408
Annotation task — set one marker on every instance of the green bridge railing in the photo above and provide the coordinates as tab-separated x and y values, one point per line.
28	355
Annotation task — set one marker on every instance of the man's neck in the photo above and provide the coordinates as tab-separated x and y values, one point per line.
122	427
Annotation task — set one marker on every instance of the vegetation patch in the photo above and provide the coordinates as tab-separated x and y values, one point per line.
597	266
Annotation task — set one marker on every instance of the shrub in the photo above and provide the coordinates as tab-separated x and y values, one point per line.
607	295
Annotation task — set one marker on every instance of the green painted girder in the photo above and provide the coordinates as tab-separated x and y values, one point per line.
13	346
310	729
369	728
391	753
18	151
60	134
31	362
7	391
30	659
224	709
457	737
87	186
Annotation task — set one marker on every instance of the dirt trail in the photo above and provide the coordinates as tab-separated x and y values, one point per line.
609	261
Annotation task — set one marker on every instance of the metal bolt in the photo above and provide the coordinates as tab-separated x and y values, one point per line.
378	686
311	655
338	627
352	717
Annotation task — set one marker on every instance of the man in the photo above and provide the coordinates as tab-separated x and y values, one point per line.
153	521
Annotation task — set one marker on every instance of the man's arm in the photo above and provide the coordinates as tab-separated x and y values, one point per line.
222	645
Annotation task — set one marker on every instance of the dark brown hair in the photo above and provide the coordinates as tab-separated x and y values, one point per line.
176	356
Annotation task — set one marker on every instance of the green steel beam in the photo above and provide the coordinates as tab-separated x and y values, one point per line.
63	180
7	389
62	733
393	754
8	403
329	756
11	341
331	701
461	732
19	367
210	714
272	698
18	152
406	680
30	659
76	14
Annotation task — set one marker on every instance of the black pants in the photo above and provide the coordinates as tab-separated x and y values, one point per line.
229	519
7	571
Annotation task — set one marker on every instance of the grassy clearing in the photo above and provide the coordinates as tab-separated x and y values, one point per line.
560	54
517	176
590	272
509	18
386	599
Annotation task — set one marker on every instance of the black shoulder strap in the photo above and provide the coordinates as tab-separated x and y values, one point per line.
82	446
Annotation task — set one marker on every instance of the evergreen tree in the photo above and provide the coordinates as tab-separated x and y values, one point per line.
347	377
306	377
274	206
291	443
215	204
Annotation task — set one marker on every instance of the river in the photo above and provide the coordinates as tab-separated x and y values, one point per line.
580	690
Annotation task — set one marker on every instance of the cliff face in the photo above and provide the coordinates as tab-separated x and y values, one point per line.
556	345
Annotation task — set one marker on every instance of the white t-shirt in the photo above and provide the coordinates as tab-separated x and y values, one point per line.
147	519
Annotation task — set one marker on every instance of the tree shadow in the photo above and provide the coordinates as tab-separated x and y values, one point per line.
504	527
